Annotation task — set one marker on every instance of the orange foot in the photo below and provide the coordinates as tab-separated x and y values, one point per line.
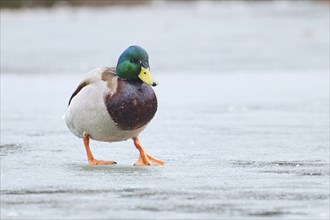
145	159
100	162
90	157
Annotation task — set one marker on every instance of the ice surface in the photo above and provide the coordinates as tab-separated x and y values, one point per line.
243	135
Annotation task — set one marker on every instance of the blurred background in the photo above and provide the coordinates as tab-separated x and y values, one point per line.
222	36
242	123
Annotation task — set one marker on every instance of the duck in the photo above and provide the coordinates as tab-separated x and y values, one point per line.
114	104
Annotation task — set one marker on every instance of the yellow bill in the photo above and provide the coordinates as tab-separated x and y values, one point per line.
146	77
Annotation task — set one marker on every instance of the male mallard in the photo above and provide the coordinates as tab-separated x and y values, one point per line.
115	104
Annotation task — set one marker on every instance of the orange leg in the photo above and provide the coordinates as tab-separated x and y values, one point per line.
90	156
145	159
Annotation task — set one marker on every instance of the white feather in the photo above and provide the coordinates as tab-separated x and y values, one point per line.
88	115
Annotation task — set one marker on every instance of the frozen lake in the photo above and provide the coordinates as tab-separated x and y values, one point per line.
243	119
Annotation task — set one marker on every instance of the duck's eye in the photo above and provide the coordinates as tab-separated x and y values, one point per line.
133	60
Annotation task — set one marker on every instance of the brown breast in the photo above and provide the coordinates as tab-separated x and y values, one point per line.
133	105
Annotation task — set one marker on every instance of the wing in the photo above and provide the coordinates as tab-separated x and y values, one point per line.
103	73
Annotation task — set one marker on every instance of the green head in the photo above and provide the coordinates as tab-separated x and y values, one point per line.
133	64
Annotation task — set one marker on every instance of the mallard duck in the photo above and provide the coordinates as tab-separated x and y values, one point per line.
115	104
